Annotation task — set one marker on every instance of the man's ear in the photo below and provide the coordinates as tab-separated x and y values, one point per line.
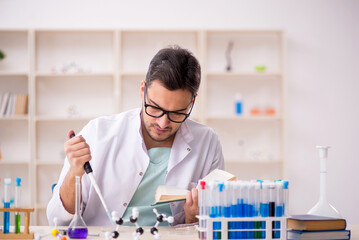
143	85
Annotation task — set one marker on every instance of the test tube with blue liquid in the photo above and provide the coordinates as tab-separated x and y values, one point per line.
285	198
251	209
17	205
220	205
232	224
213	208
279	206
7	185
264	206
78	228
244	208
257	224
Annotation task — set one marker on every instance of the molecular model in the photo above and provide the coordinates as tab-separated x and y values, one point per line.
59	234
139	230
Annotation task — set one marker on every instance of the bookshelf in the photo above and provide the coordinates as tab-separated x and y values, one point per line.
73	76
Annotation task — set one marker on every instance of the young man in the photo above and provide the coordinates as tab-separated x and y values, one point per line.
134	152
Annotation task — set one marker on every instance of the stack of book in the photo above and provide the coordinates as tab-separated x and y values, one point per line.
316	227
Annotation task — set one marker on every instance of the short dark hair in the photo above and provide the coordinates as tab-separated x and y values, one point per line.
176	68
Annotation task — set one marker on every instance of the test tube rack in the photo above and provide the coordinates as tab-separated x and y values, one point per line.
225	233
24	235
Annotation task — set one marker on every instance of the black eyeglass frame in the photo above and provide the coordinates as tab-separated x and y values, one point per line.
167	112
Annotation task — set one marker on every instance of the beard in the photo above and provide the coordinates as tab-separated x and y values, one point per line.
151	132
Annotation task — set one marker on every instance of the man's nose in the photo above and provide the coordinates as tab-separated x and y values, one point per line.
163	121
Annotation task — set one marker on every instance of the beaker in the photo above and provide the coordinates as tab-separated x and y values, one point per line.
78	228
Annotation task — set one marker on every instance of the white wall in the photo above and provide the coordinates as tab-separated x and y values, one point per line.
322	74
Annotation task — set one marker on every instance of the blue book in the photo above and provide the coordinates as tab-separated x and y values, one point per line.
333	234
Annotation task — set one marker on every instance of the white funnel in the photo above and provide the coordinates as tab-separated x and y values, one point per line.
323	207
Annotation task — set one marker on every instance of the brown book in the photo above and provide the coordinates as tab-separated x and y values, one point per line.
309	222
165	194
24	106
19	105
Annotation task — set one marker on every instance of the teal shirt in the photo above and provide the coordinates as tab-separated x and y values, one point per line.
145	194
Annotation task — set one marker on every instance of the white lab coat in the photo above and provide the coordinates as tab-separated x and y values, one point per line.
120	159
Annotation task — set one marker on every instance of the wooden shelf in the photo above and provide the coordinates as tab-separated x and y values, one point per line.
4	163
43	163
244	75
15	118
55	75
63	118
13	74
245	118
133	74
254	162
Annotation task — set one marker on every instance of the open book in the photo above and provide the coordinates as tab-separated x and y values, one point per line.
165	194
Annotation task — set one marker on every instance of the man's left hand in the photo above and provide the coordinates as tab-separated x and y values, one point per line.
191	206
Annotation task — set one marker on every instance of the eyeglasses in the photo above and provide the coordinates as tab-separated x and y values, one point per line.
173	116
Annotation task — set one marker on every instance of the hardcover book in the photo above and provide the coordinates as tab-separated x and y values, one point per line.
315	223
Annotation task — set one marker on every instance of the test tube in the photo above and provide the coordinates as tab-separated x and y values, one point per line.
231	223
264	203
221	199
279	204
212	199
227	200
264	206
251	208
17	205
244	198
257	224
202	209
272	197
213	207
285	197
7	184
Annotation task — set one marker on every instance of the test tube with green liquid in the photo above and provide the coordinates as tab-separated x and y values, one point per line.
17	204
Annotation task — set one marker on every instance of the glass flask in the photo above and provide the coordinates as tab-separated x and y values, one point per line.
78	228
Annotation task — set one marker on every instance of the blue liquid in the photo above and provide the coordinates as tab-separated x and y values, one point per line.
79	233
6	218
239	107
217	225
226	211
264	209
213	212
279	212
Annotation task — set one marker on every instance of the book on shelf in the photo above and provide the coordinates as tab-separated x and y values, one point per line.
4	103
13	104
166	194
310	222
331	234
21	104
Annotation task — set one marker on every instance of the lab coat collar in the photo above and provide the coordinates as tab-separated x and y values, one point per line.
138	126
180	147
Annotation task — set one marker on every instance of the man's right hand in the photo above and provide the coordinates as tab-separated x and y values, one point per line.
78	153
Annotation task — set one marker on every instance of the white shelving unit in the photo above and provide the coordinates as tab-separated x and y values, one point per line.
73	76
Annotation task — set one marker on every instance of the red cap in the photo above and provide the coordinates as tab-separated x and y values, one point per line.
203	184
